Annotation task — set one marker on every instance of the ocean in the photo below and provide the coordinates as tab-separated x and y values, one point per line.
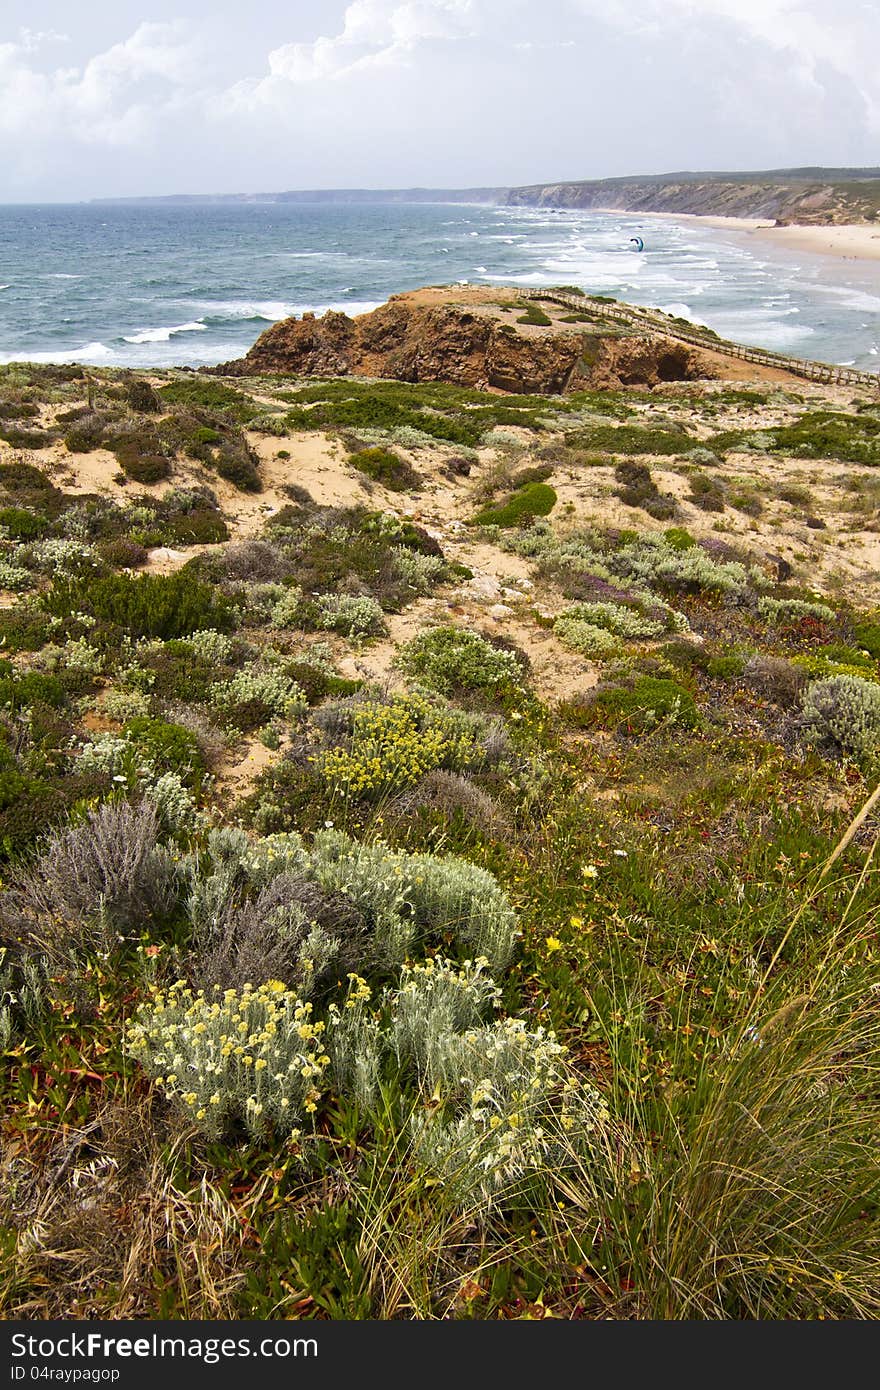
175	285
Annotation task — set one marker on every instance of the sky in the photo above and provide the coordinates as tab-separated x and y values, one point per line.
127	97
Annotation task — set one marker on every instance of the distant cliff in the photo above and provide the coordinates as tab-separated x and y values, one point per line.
803	196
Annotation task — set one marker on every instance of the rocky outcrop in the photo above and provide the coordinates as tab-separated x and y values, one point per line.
458	344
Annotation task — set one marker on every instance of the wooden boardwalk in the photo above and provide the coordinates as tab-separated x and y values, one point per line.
657	322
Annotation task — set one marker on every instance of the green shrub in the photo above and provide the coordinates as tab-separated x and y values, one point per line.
19	691
678	538
638	489
630	439
23	629
649	701
168	746
316	683
145	469
147	606
706	493
843	714
21	525
387	468
830	434
451	660
535	316
142	398
868	637
726	668
200	394
535	499
238	465
201	526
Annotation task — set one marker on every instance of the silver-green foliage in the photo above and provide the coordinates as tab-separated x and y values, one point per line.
787	610
586	638
410	898
843	712
616	618
352	617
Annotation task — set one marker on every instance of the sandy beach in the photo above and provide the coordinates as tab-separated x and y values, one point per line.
851	241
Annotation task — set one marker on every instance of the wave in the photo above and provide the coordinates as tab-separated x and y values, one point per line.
161	335
270	311
60	275
90	355
683	311
5	287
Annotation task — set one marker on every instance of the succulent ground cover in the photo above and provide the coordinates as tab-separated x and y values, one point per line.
436	883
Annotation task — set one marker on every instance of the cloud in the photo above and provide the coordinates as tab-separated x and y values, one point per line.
114	99
816	45
442	91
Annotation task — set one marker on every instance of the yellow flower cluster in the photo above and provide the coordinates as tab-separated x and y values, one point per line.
254	1054
393	746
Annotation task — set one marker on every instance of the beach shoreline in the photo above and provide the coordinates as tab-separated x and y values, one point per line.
852	241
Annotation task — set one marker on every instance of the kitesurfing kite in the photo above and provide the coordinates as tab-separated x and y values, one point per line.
640	245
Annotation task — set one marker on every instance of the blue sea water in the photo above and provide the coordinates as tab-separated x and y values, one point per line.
138	286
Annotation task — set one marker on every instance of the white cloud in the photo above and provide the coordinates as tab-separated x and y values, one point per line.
374	33
113	99
440	91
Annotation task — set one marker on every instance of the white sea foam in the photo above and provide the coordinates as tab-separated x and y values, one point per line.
60	275
92	354
162	335
5	287
683	311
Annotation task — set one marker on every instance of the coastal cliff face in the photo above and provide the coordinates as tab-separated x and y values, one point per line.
804	202
464	346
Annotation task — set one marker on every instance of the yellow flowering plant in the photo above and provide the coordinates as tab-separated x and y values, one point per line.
253	1056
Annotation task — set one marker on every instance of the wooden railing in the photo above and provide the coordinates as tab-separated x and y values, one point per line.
657	322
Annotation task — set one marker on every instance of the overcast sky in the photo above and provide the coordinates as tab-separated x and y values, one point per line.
153	96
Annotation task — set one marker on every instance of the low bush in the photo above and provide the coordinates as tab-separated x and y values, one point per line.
638	489
648	701
387	468
535	317
168	746
792	610
617	618
453	660
352	617
150	605
92	884
201	394
268	1082
586	638
22	525
393	746
122	553
535	499
706	493
842	714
